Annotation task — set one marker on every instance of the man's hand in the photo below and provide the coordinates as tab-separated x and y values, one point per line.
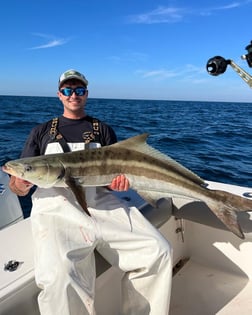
119	183
19	186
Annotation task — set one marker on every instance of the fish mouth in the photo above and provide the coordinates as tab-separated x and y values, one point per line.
9	170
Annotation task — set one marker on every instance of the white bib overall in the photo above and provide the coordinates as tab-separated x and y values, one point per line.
64	241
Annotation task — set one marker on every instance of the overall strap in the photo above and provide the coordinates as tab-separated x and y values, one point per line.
94	135
56	136
96	130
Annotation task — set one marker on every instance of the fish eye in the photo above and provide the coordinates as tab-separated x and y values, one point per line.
28	168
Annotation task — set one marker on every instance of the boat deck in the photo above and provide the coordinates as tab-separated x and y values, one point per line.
225	293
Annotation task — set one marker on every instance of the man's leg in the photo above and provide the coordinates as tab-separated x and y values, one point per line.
138	248
64	240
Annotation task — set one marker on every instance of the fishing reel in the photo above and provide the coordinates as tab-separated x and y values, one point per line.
218	65
248	56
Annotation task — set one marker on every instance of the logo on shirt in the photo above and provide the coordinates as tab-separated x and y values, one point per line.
88	136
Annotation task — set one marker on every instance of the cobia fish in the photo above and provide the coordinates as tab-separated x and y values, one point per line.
151	173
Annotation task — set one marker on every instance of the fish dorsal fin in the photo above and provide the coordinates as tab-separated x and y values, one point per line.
139	144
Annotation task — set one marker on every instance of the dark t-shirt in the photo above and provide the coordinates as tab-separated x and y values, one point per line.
73	131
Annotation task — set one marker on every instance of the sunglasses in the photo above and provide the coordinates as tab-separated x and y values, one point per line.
79	91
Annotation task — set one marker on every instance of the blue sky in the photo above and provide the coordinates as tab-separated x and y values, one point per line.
134	49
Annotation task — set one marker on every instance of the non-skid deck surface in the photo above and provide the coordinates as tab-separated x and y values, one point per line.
199	290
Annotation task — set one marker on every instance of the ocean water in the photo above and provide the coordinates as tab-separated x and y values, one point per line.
213	139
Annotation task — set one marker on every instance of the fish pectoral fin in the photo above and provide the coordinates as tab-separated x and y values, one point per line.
152	197
79	193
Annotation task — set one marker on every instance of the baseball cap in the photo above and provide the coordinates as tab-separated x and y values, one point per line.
72	74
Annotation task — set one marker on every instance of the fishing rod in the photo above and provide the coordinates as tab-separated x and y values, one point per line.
218	65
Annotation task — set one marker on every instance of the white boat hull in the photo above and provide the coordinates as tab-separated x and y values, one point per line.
212	267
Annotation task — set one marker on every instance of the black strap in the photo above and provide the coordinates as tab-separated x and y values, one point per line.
96	130
63	144
56	136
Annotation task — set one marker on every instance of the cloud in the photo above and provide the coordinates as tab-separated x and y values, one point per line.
158	74
160	15
188	72
50	41
176	14
230	6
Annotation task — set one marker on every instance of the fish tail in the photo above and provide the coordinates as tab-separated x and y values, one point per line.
228	217
225	205
237	203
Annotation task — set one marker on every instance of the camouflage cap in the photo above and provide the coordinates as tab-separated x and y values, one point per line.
72	74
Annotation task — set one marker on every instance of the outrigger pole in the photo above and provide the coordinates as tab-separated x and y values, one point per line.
218	65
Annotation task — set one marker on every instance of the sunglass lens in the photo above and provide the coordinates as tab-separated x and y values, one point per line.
67	91
80	91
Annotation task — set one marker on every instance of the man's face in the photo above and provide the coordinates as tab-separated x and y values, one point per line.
73	95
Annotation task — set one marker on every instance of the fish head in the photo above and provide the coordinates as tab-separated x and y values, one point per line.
36	170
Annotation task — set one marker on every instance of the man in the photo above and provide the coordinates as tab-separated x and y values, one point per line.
65	236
